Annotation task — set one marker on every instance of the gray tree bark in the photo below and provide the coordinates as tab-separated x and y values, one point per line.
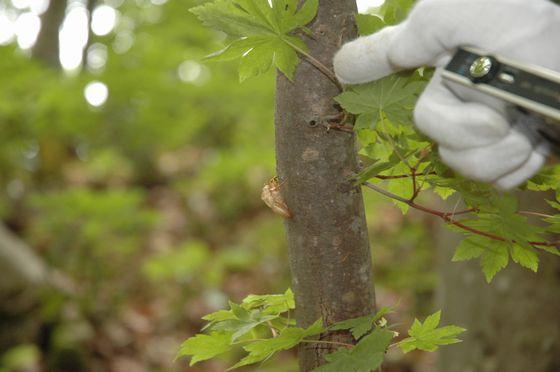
513	323
46	48
327	237
90	6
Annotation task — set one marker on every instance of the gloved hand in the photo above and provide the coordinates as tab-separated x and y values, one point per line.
475	139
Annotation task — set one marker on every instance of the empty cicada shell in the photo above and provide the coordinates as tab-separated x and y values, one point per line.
273	198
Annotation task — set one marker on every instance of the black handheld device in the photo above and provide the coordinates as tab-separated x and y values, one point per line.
531	91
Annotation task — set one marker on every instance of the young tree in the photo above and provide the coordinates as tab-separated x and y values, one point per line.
327	236
46	47
315	191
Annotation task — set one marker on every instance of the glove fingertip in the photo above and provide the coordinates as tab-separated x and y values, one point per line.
364	59
519	176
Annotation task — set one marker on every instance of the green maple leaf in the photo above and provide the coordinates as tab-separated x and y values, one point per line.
369	24
361	325
400	186
262	32
553	221
495	254
494	259
395	11
553	224
202	347
272	304
500	218
526	256
253	312
392	97
366	356
427	336
547	179
263	349
472	247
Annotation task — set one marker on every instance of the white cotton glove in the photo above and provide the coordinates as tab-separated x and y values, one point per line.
475	139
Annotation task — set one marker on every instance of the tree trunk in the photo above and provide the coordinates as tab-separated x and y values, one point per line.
23	274
327	237
90	6
513	323
46	48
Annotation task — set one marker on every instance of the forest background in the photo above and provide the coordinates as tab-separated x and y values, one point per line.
131	174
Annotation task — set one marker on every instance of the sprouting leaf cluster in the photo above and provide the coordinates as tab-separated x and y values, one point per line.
262	32
427	336
239	325
262	326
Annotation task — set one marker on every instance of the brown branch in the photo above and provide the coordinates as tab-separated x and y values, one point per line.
340	127
535	214
318	65
448	217
393	145
470	210
415	188
381	177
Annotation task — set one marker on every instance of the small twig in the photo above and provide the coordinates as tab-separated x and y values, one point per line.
381	177
317	64
466	211
343	128
392	143
339	118
423	153
386	193
448	217
415	189
328	342
395	344
426	172
536	214
272	329
337	122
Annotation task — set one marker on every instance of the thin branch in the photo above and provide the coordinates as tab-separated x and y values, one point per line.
395	344
536	214
387	193
328	342
466	211
381	177
392	143
272	329
306	341
448	217
415	188
317	64
340	127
